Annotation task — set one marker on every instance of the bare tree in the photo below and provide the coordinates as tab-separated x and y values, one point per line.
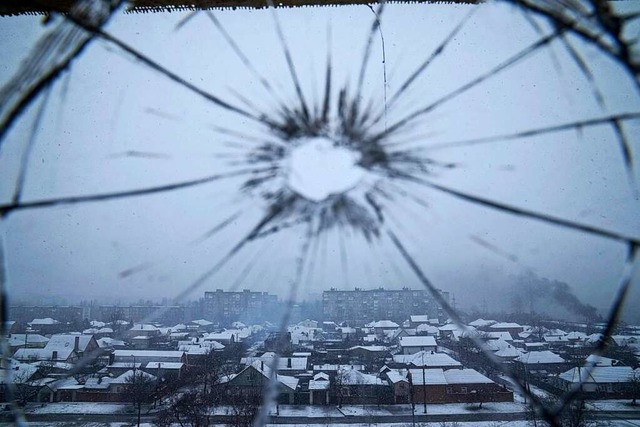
139	390
244	408
24	390
189	409
634	385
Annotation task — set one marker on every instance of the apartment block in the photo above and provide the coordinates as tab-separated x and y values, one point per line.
245	306
360	306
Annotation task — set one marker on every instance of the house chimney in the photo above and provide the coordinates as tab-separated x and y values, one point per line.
76	344
54	355
288	362
262	365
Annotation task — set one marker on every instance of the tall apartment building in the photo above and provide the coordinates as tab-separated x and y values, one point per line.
361	306
246	306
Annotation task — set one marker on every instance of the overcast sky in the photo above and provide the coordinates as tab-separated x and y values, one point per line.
113	105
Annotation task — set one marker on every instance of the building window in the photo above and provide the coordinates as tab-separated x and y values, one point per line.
463	390
449	390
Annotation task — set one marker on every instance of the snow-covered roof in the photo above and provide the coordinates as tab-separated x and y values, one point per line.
16	340
96	324
426	328
107	342
127	377
576	335
327	367
194	349
371	348
147	353
68	383
221	336
45	321
384	324
239	333
284	363
625	340
479	323
202	322
143	327
320	381
101	383
419	318
395	376
505	325
602	361
125	365
509	352
418	341
265	370
178	334
449	376
60	342
555	339
426	358
42	354
465	376
164	365
20	373
599	374
355	377
427	376
449	327
497	345
503	335
594	338
540	357
64	366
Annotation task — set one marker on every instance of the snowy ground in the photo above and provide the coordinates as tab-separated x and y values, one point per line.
77	408
449	408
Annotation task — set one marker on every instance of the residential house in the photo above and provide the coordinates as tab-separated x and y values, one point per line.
384	328
319	389
541	363
411	345
46	326
513	328
135	357
603	381
456	386
427	359
482	323
399	382
416	320
286	365
368	354
252	381
17	341
108	389
82	344
355	387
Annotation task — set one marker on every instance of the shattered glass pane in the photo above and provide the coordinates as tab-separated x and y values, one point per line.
445	146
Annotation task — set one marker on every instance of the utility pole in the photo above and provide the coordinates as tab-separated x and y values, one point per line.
424	385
